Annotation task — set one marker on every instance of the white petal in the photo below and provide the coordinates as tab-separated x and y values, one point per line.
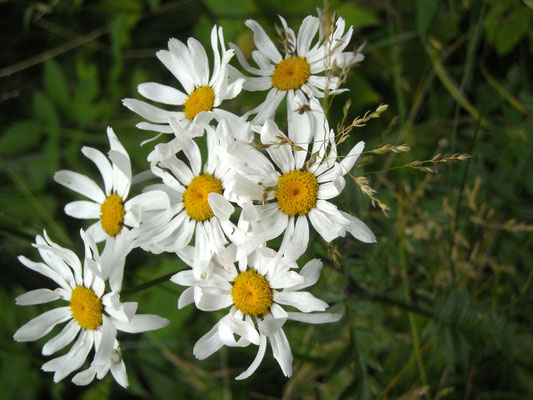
189	147
299	128
184	278
270	229
282	352
267	108
211	301
122	312
42	324
186	298
80	184
83	209
257	360
118	370
263	42
277	311
121	173
85	377
208	344
318	318
178	69
249	213
115	144
307	32
241	328
71	361
202	252
244	63
69	257
358	229
348	162
303	301
286	279
257	84
182	56
331	189
55	258
310	272
199	61
97	233
248	161
295	243
144	202
109	334
40	296
149	112
270	326
281	154
327	221
103	165
46	271
262	61
146	126
162	93
220	206
142	323
62	339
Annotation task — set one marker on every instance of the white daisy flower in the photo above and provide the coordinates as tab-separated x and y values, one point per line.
294	189
200	201
304	68
115	214
93	316
256	292
202	94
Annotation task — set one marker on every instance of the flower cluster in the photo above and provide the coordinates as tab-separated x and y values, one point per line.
217	212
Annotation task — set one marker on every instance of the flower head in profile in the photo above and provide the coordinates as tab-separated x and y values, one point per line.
305	67
293	182
115	214
202	94
92	316
256	291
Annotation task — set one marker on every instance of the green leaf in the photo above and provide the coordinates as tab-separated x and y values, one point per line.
425	12
357	16
506	24
19	137
230	7
154	4
84	111
119	35
55	83
44	110
362	94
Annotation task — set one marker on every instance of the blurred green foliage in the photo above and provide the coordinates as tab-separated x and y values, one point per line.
439	308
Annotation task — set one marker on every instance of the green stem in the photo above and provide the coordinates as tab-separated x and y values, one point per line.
460	198
34	202
471	50
405	284
396	71
149	284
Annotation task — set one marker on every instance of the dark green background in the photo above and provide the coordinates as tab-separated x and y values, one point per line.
439	308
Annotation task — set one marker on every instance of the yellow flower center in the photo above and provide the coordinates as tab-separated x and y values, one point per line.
86	308
195	196
112	214
251	293
296	193
291	73
201	99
